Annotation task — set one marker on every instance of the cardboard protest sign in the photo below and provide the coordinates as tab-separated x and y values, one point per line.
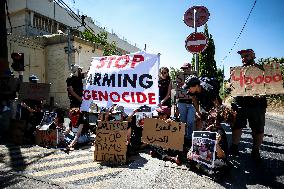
110	143
129	80
204	147
256	80
34	91
46	137
140	117
180	78
166	135
46	134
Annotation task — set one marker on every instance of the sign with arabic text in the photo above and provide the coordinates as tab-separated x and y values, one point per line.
160	133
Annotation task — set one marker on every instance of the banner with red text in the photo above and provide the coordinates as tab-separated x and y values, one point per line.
128	80
256	80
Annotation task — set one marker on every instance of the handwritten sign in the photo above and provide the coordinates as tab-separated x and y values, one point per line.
46	137
166	135
110	144
204	147
34	91
257	80
180	78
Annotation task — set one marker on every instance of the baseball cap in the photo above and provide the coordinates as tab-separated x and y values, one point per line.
185	66
191	81
246	51
33	78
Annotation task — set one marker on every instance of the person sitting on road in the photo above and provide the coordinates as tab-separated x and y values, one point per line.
164	113
78	131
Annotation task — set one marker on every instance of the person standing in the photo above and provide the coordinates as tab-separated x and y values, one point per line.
251	109
165	87
75	86
186	109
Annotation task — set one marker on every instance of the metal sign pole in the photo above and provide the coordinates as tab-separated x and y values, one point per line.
196	54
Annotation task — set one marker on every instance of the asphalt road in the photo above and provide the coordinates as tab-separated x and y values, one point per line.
37	167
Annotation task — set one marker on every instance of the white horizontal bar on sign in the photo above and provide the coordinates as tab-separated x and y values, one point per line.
198	42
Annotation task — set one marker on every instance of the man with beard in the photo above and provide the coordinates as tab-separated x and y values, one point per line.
251	109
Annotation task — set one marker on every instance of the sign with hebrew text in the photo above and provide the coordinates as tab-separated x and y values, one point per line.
167	135
256	80
180	78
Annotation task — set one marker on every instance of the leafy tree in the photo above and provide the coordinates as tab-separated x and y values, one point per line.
101	38
207	63
173	73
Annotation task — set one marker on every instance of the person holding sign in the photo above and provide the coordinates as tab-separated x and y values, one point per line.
186	109
164	113
165	87
77	132
251	109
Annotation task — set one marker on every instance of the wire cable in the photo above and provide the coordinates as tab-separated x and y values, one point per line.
230	51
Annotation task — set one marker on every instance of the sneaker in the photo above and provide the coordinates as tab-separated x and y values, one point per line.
234	150
255	155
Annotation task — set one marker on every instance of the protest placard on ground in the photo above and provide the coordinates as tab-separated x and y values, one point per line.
34	91
256	80
110	143
166	135
204	147
128	80
46	134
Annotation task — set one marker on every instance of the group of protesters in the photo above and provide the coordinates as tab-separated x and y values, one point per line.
202	111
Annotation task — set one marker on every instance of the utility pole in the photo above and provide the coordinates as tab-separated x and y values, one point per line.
196	54
69	49
4	65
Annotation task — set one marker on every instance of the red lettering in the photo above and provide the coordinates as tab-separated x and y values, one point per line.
248	80
136	59
113	94
258	79
268	79
117	65
123	97
277	77
86	92
94	95
102	62
110	59
101	95
139	95
151	97
132	96
241	78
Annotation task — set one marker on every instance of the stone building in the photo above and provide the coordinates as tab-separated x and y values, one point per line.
35	27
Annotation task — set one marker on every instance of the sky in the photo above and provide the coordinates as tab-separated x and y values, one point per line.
159	24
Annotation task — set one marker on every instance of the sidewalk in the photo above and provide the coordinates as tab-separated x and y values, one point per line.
275	116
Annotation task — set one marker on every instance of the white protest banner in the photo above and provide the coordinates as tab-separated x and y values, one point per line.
204	147
129	80
257	80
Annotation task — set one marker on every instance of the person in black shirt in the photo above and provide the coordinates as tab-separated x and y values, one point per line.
165	87
251	109
75	86
203	94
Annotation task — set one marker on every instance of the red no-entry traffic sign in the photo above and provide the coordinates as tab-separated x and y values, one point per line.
196	42
202	15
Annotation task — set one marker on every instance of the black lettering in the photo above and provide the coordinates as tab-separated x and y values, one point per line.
109	80
127	79
119	80
97	78
149	82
